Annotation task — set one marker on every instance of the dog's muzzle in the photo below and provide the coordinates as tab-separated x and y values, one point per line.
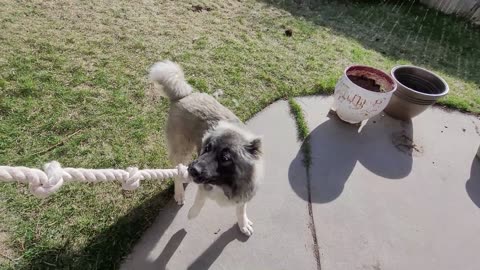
195	172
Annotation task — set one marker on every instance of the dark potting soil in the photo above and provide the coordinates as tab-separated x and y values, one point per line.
365	83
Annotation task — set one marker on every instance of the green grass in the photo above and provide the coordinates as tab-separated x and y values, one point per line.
73	84
297	113
302	131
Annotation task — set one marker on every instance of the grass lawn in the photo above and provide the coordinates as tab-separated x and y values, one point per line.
73	84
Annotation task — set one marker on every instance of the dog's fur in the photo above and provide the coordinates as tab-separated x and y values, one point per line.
229	163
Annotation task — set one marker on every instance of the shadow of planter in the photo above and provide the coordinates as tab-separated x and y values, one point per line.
383	146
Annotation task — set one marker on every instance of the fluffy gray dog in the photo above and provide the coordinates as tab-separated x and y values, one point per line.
229	163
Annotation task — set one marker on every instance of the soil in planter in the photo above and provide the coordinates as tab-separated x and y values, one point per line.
366	83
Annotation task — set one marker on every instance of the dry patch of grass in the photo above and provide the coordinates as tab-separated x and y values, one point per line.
7	255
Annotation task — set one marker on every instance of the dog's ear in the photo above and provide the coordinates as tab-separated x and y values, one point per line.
254	147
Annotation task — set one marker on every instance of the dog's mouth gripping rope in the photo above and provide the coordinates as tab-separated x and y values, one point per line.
43	183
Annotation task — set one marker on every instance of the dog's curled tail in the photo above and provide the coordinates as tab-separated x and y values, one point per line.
170	75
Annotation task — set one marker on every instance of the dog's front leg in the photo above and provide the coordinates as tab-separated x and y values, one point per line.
200	198
244	223
179	190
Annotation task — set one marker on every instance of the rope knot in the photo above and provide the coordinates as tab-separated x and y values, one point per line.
51	184
133	180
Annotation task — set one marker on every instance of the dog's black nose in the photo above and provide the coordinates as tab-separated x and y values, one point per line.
194	172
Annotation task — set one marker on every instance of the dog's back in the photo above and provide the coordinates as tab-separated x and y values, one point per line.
204	108
191	114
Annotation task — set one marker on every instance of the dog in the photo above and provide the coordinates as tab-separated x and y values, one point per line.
229	163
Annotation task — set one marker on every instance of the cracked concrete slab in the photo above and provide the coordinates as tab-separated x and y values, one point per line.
281	240
393	194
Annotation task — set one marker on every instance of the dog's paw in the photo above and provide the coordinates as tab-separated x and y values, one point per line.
193	212
246	227
180	197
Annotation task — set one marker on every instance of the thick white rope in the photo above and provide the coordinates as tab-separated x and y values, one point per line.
43	183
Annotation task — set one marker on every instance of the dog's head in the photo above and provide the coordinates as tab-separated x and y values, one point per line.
229	157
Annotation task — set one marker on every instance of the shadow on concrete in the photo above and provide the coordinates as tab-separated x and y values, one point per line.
209	256
107	249
163	221
336	147
170	249
386	149
473	184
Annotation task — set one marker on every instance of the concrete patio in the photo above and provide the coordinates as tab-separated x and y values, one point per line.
387	195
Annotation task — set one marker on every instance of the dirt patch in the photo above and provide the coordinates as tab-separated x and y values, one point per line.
6	254
198	8
366	83
405	144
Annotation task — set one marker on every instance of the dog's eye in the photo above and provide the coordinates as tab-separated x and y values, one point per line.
225	158
207	148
